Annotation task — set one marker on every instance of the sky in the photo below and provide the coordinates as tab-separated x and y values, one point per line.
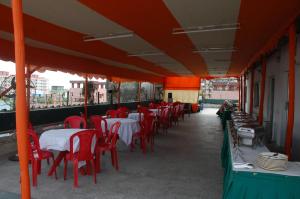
54	78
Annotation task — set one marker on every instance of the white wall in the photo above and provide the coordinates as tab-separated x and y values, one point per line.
296	137
277	68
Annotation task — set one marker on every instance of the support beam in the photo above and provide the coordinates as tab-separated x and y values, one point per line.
262	91
291	88
85	97
251	90
21	108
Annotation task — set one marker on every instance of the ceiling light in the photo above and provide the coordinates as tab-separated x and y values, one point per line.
215	50
107	37
145	54
210	28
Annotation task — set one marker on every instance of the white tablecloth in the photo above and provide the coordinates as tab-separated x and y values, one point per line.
135	116
127	129
59	140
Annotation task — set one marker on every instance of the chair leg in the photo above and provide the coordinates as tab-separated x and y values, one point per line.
39	166
65	168
75	172
116	159
34	172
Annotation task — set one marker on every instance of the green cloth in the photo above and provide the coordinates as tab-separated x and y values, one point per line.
253	185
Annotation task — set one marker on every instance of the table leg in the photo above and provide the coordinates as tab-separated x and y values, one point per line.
56	162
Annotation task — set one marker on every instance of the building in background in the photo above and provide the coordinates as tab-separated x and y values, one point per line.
76	92
40	84
220	89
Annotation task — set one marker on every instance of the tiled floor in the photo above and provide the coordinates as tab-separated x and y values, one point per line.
185	164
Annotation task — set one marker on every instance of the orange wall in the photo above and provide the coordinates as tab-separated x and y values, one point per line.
182	83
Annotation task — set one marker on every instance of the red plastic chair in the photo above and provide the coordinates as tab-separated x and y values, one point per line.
181	111
75	122
36	155
164	119
123	109
96	122
84	153
122	114
109	144
175	114
146	134
112	113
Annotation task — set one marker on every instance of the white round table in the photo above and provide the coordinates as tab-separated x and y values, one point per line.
127	129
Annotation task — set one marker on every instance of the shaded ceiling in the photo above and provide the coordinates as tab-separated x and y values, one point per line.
149	46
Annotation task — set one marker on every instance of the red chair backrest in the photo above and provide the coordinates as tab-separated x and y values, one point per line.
153	105
112	113
33	145
147	125
75	122
122	114
112	137
96	122
123	109
165	112
85	151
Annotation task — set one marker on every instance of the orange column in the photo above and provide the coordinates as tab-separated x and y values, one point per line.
251	90
85	97
21	108
262	91
291	108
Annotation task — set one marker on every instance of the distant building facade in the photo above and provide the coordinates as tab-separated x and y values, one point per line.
76	92
40	84
226	88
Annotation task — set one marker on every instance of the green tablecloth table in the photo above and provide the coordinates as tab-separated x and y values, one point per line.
256	185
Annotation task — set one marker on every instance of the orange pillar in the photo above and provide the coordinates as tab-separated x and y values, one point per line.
291	108
21	108
119	94
252	90
85	97
262	91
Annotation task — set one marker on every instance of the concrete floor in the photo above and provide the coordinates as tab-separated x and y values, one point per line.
185	164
